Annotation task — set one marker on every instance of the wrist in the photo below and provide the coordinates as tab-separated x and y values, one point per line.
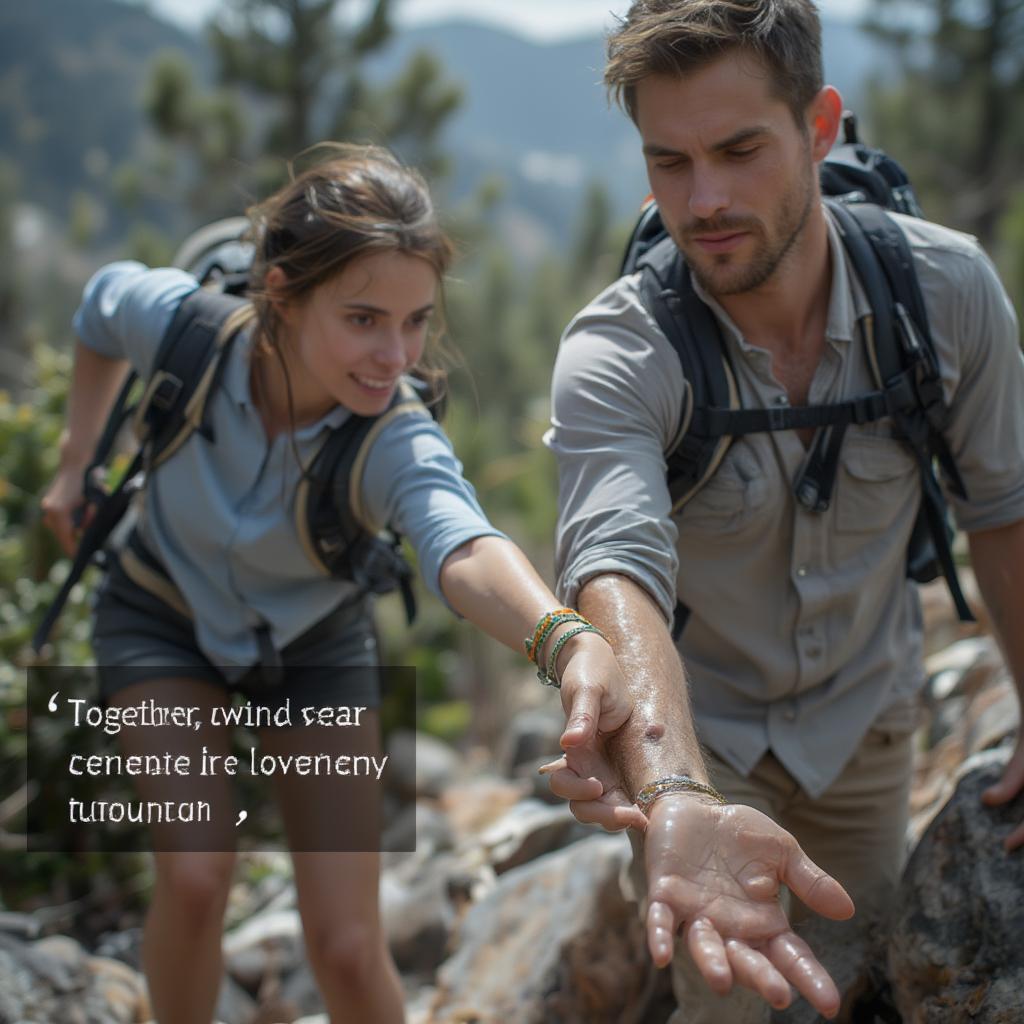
675	787
578	644
72	455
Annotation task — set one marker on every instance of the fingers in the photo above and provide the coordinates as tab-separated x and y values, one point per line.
797	963
1011	782
566	784
611	817
661	929
819	891
1015	840
59	522
755	971
708	952
582	716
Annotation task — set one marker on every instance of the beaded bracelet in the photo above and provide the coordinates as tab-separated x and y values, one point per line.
674	784
544	625
549	676
556	619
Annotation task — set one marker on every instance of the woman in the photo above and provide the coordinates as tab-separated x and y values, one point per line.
349	261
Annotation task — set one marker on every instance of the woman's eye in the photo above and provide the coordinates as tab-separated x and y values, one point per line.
360	319
420	319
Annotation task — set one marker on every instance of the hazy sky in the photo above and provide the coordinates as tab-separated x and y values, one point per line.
540	19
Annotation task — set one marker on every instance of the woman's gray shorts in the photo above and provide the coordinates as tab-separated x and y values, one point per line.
138	637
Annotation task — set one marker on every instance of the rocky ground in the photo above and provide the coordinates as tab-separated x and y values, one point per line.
510	912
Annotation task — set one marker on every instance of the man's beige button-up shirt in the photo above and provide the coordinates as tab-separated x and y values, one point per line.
803	630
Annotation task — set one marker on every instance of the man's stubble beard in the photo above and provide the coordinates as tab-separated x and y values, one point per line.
794	211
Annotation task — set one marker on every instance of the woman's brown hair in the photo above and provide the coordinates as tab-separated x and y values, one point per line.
360	201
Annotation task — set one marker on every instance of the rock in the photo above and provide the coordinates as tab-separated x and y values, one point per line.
531	739
55	979
419	764
234	1004
270	943
555	941
417	912
421	828
529	830
954	951
23	926
476	803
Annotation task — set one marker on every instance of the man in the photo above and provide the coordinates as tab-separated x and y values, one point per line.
803	642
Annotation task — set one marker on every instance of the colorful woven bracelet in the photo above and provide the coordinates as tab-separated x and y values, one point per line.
674	784
532	643
549	676
556	621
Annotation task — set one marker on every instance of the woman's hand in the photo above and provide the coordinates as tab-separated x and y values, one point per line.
62	502
596	703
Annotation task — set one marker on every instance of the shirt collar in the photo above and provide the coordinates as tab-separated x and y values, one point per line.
847	302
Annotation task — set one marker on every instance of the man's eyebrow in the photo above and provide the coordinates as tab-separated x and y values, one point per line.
653	149
743	135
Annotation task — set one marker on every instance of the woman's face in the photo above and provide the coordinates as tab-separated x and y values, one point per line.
354	336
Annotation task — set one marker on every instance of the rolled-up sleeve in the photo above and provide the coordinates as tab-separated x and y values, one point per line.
413	482
126	309
616	402
976	336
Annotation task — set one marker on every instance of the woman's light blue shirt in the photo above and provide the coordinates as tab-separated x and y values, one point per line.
219	515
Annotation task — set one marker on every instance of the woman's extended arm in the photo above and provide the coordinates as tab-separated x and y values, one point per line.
489	581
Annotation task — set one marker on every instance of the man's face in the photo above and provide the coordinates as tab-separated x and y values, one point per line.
733	175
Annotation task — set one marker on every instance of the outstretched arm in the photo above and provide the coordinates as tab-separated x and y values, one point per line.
998	559
714	871
490	582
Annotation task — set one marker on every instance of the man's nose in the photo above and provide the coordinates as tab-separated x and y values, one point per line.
708	194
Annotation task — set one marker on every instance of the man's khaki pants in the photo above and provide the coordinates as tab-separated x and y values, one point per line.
855	831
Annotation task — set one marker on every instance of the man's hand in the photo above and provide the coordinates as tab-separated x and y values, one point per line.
1008	787
714	871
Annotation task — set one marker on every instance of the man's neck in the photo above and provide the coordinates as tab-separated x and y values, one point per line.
787	314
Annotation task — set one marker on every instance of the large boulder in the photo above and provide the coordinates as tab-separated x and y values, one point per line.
555	940
955	951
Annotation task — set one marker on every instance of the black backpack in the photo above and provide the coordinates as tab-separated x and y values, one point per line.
175	403
859	184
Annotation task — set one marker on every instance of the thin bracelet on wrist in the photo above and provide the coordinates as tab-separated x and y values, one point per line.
674	784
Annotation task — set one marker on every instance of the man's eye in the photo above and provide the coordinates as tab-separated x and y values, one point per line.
743	153
360	319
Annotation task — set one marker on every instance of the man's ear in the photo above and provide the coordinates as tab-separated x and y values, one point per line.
824	116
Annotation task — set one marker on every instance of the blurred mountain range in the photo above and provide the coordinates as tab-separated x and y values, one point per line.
72	74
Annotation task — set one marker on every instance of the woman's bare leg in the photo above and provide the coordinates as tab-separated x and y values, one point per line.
338	891
181	949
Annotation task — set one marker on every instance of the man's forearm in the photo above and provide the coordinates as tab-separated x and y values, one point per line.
659	738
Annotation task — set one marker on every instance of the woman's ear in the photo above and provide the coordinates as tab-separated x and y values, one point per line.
275	281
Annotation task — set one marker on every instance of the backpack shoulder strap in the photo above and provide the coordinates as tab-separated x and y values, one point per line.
333	526
186	370
693	332
903	357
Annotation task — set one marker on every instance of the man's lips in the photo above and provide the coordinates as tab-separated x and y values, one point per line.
719	241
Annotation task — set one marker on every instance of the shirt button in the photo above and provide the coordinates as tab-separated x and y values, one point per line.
802	571
781	400
790	715
814	651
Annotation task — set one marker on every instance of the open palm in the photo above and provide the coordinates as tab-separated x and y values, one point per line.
715	872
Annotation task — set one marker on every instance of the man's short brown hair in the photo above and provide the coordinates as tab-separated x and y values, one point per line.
675	37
